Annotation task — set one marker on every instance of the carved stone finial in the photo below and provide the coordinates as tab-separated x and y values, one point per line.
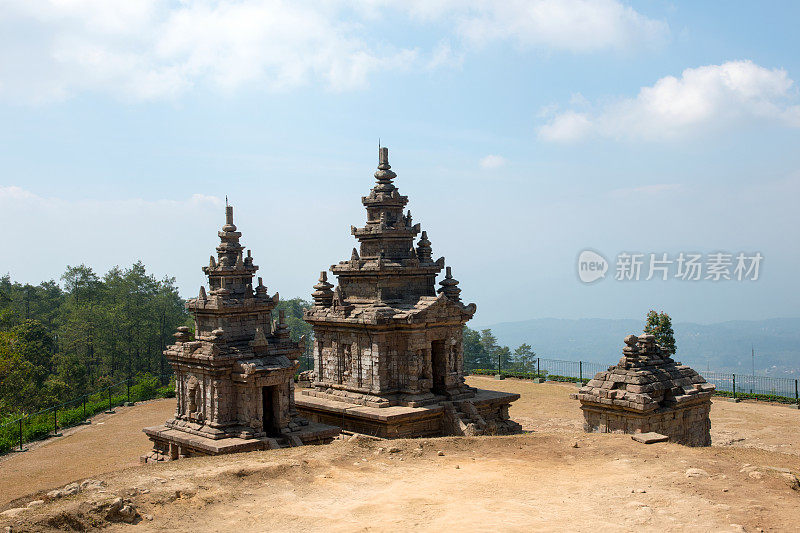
182	334
202	295
384	175
354	255
323	295
424	248
449	287
282	330
261	290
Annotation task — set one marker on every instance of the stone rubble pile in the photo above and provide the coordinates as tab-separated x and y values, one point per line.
647	391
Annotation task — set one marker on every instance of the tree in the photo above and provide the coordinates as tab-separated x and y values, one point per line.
18	378
474	355
293	310
660	325
503	356
524	357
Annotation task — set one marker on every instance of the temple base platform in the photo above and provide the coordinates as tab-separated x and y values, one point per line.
170	444
484	413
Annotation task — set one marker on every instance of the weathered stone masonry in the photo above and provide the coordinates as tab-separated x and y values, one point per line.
234	382
648	392
388	354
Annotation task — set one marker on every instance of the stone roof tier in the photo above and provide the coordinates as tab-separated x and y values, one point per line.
645	379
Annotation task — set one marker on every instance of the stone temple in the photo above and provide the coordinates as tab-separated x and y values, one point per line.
388	354
234	380
648	392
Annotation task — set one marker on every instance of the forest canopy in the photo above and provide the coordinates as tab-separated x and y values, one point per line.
58	341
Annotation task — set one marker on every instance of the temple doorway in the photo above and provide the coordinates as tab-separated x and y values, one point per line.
268	405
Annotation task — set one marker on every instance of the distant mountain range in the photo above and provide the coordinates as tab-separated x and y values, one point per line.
719	347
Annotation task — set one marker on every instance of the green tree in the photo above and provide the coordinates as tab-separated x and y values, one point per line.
524	358
298	328
474	354
490	348
18	378
503	356
660	325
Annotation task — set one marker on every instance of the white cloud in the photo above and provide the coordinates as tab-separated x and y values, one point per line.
574	25
704	98
148	49
13	196
14	193
566	126
492	161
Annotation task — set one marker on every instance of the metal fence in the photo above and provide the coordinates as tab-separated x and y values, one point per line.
551	369
47	422
749	385
735	385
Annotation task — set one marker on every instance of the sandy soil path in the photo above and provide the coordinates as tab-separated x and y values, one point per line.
546	407
533	482
110	442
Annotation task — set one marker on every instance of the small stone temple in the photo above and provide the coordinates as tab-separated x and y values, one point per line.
234	380
388	353
648	392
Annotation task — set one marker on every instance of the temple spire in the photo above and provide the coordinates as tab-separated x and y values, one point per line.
384	175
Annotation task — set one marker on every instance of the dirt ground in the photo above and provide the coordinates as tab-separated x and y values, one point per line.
110	442
537	481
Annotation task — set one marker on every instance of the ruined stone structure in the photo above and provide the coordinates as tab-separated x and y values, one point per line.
234	381
388	354
648	392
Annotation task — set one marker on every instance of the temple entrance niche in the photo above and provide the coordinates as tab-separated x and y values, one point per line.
269	403
439	364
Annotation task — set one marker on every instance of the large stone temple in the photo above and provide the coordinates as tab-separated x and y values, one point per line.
648	392
234	380
388	353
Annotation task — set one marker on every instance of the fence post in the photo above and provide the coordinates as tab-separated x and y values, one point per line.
796	398
128	387
55	421
734	386
20	434
580	372
538	372
84	407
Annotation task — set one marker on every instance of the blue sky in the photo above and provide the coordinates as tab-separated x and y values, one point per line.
523	133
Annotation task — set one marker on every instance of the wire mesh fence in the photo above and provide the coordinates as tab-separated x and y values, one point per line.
752	386
14	434
550	369
746	386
